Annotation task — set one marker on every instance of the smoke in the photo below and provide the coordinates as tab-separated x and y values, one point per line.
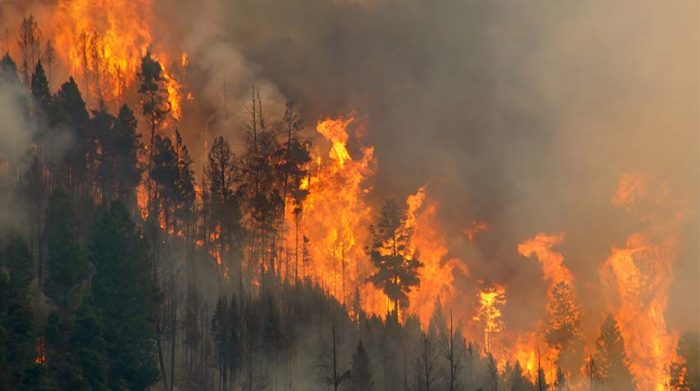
523	115
22	131
520	114
16	134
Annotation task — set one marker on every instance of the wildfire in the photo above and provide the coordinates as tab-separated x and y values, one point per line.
491	300
637	278
552	262
336	220
101	42
428	243
142	199
563	324
336	217
334	130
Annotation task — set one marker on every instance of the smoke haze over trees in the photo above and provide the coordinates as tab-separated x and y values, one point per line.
334	194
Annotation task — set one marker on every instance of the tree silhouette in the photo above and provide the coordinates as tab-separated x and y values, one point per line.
397	271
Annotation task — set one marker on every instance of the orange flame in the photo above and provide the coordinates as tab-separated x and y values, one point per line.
489	312
102	43
336	217
638	277
552	262
429	245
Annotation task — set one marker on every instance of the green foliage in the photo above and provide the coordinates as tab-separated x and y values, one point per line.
68	110
184	186
119	169
76	359
17	330
67	265
126	299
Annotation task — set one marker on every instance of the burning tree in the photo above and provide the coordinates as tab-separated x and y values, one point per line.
564	317
397	269
489	313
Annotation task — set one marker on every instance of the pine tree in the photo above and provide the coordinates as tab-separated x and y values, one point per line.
69	110
120	170
126	299
261	187
361	370
564	317
66	262
154	96
17	334
295	171
101	125
224	213
29	42
517	380
185	194
491	381
165	175
75	355
8	70
221	332
40	88
396	273
425	364
610	357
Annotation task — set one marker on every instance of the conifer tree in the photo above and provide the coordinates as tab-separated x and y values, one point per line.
517	380
610	358
40	88
17	330
564	317
66	262
396	272
165	175
8	69
361	370
119	169
224	213
69	110
185	194
126	299
155	97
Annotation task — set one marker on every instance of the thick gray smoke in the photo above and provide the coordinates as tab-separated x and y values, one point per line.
520	114
523	114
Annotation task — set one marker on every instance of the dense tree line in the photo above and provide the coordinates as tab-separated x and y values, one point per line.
109	284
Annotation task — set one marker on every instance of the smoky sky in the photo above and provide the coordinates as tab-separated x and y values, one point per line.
520	114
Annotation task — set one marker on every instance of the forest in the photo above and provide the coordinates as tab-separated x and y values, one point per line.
140	249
